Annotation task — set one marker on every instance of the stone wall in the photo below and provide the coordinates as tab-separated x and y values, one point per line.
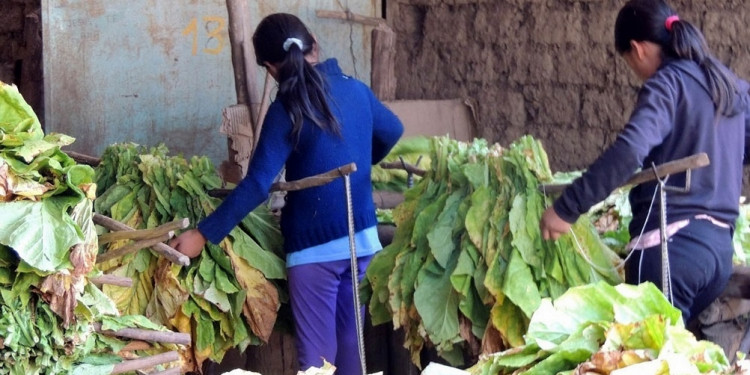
541	67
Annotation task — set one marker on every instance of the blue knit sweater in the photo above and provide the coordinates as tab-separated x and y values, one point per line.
316	215
673	118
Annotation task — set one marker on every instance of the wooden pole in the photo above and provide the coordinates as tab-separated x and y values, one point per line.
172	371
676	166
146	335
244	76
143	234
405	166
317	180
146	362
124	282
165	250
304	183
136	345
132	247
383	75
83	158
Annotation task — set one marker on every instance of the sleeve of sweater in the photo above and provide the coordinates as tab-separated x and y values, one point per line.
386	128
274	147
650	122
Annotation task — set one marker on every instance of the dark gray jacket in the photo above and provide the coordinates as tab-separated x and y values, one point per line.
673	118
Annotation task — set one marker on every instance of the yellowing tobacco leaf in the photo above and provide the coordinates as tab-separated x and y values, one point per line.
262	299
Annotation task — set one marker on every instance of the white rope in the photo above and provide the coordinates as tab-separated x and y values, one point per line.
621	264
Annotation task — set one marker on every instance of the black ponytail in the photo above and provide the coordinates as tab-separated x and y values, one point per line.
283	40
646	20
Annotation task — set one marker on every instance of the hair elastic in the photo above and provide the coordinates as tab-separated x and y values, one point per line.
289	41
670	20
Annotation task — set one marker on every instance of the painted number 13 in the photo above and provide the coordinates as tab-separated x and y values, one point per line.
214	26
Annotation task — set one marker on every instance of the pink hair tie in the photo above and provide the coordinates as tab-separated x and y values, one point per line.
670	20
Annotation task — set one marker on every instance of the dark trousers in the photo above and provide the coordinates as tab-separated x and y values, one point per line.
700	260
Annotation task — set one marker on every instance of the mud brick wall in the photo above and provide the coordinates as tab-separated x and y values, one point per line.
541	67
21	48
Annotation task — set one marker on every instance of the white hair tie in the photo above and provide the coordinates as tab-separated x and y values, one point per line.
289	41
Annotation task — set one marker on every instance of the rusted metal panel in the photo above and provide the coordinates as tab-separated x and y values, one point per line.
348	42
148	71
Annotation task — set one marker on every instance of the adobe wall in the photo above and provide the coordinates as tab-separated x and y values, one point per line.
541	67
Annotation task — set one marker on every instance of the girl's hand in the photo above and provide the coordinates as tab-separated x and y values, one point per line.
189	243
552	226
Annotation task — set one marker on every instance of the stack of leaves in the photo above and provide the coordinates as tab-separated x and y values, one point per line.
48	246
467	263
414	151
601	329
225	298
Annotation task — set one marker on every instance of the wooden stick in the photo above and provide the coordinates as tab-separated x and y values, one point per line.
147	335
669	168
387	199
405	166
172	371
142	234
165	250
135	235
349	16
112	280
304	183
317	180
145	362
83	158
136	345
132	247
263	108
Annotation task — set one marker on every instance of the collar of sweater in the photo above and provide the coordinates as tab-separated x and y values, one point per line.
329	67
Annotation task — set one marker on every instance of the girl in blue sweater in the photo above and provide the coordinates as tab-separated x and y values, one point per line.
321	119
689	103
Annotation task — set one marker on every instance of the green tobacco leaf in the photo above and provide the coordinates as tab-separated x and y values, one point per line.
437	301
99	303
16	116
377	275
40	232
519	285
133	300
263	260
522	239
477	219
440	237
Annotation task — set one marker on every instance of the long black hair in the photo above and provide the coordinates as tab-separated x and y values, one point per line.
282	40
646	20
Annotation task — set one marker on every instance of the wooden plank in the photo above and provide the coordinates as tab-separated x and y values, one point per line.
349	16
279	356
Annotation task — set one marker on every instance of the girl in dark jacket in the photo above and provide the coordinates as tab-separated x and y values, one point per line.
689	103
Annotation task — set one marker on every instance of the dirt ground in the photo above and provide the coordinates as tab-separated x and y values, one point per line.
542	67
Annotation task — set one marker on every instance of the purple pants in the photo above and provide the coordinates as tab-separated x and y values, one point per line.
323	308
